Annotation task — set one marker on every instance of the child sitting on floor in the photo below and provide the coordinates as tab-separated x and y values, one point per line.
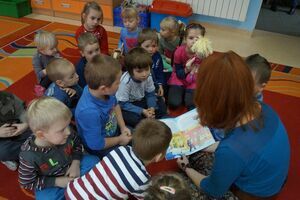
261	71
136	93
52	156
46	44
64	86
131	30
182	81
98	113
89	47
169	39
167	187
123	171
148	40
91	18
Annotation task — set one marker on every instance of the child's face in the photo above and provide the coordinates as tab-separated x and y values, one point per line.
192	37
70	77
141	74
115	86
131	23
150	46
90	51
165	33
92	19
58	133
50	51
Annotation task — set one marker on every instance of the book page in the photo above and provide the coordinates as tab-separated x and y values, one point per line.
171	123
190	137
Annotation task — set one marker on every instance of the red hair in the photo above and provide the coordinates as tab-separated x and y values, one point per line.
224	94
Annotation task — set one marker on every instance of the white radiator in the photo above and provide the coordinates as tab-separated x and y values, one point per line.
228	9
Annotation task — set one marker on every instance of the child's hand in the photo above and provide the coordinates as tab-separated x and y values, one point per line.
124	138
125	131
188	65
20	128
182	162
71	92
160	91
7	130
152	112
74	169
44	72
62	181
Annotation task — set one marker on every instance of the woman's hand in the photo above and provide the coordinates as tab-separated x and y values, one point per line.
183	163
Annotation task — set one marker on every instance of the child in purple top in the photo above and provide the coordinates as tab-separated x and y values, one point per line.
186	63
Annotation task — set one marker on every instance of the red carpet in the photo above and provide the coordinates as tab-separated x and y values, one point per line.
22	80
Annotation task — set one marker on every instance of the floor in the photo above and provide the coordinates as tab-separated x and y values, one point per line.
278	48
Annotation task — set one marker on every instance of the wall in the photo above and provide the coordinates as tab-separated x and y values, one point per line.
248	24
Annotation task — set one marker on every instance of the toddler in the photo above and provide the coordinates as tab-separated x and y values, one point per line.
130	32
46	44
183	79
169	39
123	171
52	156
98	113
148	40
261	71
136	93
64	86
91	18
89	47
168	187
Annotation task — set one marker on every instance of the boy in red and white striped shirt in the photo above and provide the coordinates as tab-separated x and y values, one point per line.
123	171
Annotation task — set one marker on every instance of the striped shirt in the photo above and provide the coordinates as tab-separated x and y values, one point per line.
119	173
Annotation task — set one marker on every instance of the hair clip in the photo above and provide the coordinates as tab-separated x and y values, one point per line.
167	189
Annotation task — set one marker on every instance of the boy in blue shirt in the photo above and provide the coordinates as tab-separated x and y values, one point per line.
89	47
98	113
64	86
136	93
130	32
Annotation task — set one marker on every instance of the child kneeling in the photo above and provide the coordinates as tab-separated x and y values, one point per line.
52	156
122	171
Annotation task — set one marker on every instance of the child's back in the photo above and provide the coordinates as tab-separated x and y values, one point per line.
123	171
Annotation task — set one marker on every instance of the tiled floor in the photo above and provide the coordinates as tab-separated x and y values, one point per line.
278	48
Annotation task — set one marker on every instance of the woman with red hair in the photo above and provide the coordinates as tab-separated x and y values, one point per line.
253	158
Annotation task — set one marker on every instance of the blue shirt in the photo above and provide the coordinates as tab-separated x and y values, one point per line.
80	71
256	162
58	93
95	119
129	39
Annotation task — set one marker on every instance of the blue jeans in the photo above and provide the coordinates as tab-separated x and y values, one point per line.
56	193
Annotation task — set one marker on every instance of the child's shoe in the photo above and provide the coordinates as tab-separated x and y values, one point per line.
11	165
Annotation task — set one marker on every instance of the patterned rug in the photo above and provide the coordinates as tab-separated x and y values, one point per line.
16	75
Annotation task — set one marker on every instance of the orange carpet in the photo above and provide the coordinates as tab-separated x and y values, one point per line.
17	76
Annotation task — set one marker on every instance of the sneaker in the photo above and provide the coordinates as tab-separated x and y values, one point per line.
11	165
292	11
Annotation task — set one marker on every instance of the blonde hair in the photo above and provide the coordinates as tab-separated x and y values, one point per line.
45	111
86	10
57	68
129	12
45	39
85	39
171	24
147	34
168	186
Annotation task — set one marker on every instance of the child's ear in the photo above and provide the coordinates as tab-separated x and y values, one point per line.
60	83
262	87
102	89
39	134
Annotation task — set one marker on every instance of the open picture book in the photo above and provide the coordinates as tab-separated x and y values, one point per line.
188	135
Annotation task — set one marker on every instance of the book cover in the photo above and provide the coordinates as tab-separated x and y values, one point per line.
188	135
